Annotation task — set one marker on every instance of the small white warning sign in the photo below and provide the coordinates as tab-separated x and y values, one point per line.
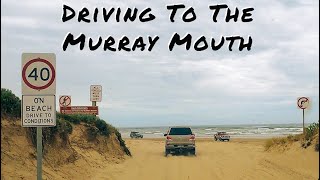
38	111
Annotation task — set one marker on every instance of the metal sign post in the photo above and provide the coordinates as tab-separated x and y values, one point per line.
38	87
303	121
39	153
303	103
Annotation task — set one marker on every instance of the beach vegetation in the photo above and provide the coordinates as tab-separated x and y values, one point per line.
276	141
11	108
311	131
10	104
306	139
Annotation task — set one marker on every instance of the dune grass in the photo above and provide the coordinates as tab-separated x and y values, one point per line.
311	133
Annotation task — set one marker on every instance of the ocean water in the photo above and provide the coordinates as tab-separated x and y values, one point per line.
235	131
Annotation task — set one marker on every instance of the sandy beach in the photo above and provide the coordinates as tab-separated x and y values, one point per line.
237	159
240	158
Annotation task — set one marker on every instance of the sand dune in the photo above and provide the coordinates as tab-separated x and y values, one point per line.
238	159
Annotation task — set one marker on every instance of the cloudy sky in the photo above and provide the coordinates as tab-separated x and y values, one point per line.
179	87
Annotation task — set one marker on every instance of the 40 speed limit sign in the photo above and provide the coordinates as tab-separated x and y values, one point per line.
38	74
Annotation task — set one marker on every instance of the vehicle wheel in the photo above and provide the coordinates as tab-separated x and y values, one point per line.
193	152
166	152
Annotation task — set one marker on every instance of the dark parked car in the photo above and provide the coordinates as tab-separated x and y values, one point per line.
135	134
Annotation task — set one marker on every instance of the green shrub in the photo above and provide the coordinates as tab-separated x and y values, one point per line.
10	104
11	107
94	125
64	129
103	127
89	119
77	118
311	130
122	143
49	133
70	118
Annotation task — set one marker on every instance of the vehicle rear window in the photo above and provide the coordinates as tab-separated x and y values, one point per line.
180	131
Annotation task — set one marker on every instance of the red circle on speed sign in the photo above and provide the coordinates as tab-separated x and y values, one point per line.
34	61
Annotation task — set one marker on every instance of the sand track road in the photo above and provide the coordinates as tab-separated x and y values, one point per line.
237	159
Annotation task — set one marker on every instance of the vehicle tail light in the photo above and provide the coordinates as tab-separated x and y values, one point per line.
193	137
169	138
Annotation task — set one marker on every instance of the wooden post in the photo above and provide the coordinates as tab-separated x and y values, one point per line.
94	103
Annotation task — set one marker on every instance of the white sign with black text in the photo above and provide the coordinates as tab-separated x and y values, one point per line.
96	93
38	110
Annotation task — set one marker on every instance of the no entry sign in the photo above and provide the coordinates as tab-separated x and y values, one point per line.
38	74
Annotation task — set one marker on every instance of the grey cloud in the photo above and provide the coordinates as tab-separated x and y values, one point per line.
163	87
